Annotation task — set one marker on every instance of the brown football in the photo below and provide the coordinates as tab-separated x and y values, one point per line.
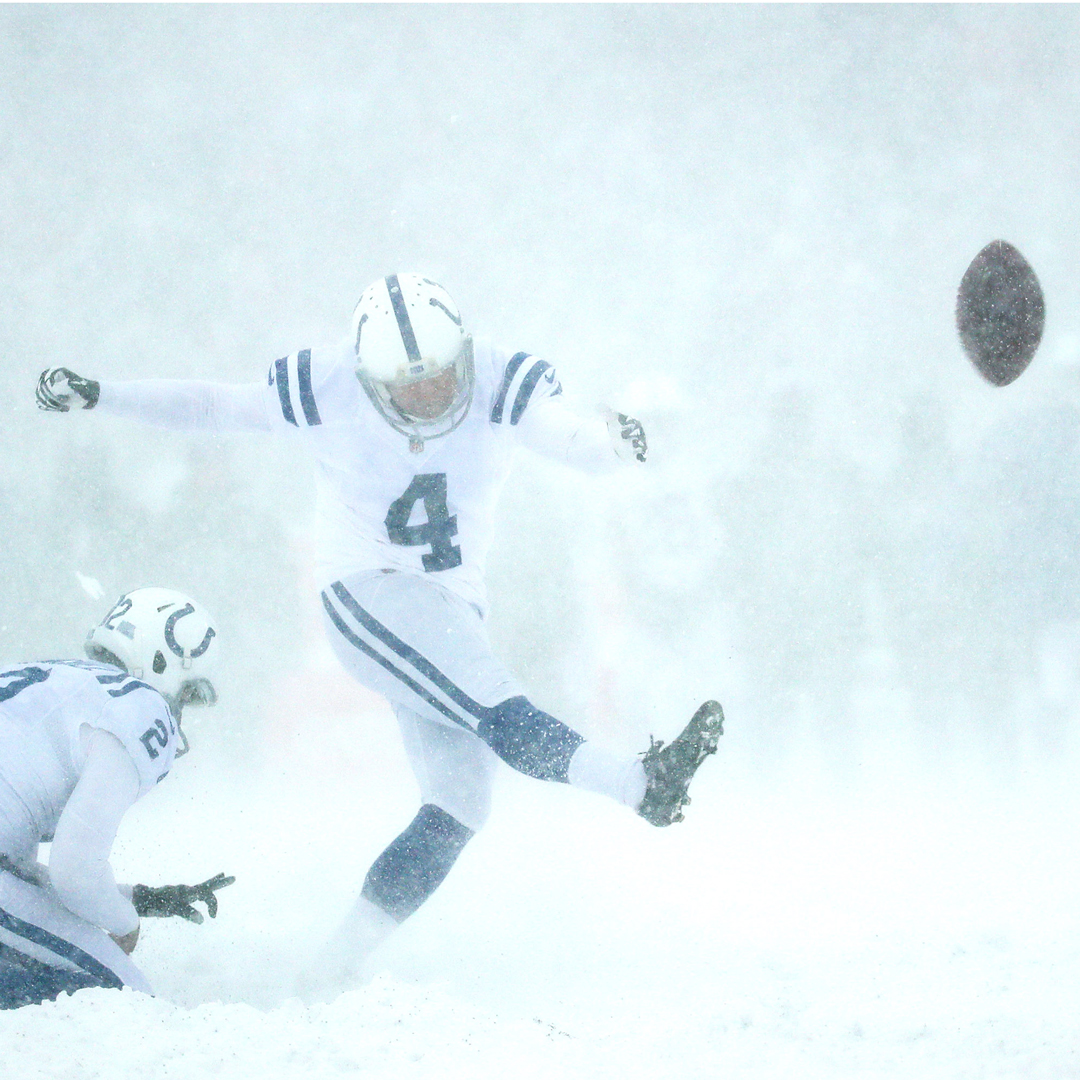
1000	313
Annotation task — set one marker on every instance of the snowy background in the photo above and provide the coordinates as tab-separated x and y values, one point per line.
745	224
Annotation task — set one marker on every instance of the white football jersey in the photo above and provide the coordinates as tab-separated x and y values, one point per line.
380	505
384	506
42	708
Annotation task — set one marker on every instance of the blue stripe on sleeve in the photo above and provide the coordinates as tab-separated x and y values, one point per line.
528	384
303	381
281	377
508	377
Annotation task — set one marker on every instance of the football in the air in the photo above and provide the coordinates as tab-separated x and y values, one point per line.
1000	313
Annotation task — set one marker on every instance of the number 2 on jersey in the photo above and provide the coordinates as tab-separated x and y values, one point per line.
436	531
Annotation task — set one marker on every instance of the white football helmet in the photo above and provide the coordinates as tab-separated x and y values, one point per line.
407	329
164	639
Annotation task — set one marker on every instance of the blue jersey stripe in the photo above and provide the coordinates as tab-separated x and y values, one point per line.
133	685
528	384
281	377
58	945
508	377
303	382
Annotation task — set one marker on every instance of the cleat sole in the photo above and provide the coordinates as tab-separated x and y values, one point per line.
671	768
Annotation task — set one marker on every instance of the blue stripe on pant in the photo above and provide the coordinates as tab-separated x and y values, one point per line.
26	981
525	737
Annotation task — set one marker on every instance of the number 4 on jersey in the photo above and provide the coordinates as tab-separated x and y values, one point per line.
436	531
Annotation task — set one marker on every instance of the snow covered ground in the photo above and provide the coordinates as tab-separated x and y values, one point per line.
782	929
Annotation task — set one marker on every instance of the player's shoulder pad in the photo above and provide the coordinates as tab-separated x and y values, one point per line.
296	389
525	377
144	725
135	713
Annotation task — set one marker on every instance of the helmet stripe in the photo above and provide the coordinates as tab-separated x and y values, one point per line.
408	337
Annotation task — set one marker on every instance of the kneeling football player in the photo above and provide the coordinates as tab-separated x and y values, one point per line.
80	742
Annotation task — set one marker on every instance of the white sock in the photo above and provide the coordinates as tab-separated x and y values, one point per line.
341	963
596	769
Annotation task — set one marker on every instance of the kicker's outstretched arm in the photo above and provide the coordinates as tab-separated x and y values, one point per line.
177	404
592	444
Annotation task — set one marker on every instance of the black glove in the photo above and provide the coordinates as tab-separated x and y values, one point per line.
178	899
627	436
58	389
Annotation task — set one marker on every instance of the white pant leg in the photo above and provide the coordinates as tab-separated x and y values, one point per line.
453	767
34	922
418	645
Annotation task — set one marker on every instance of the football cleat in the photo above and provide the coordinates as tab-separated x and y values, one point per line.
669	769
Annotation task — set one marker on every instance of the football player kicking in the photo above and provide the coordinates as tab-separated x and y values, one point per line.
80	741
413	426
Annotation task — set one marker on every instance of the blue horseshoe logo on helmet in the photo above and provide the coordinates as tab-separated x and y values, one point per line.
433	302
170	636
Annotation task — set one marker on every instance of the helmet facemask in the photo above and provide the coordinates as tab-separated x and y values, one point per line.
391	398
192	692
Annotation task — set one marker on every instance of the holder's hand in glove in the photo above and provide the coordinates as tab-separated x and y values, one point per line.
178	899
58	389
627	436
